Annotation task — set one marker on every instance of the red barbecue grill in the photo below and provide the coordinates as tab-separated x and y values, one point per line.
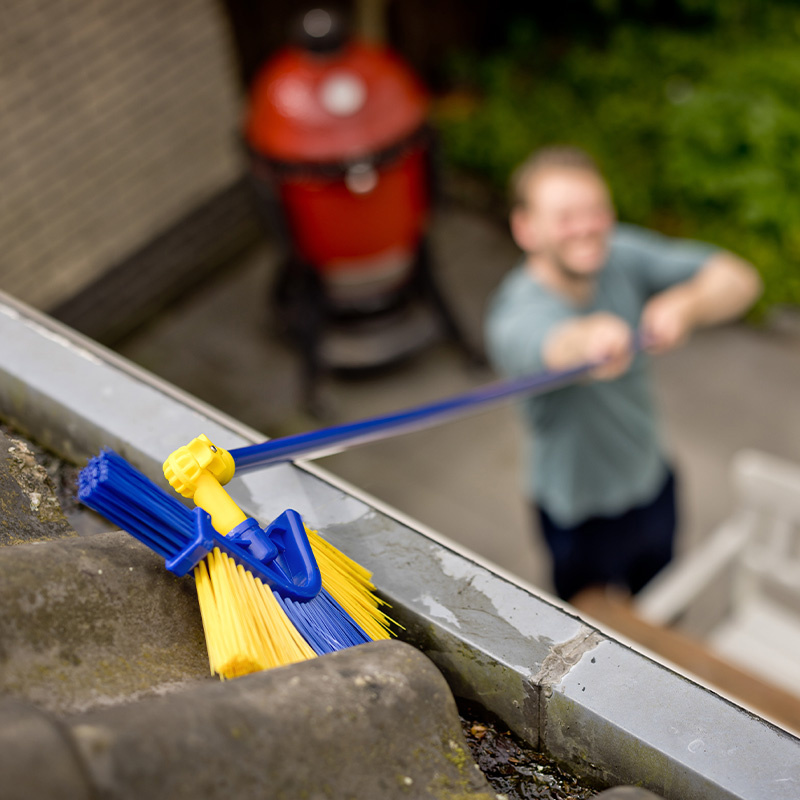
340	156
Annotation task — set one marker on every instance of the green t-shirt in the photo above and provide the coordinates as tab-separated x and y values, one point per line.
595	448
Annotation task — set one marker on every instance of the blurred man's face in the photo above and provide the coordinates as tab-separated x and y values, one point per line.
568	219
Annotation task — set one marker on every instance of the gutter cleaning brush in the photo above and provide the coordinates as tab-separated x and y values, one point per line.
265	598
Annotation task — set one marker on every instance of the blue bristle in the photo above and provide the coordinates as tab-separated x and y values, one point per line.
129	499
323	623
126	497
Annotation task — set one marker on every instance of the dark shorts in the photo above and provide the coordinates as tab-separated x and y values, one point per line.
625	551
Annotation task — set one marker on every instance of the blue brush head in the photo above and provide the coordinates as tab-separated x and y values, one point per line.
280	556
129	499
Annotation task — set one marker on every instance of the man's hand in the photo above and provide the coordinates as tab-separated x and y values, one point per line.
667	320
600	338
722	290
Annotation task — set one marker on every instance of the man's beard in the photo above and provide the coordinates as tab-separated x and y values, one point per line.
572	275
578	277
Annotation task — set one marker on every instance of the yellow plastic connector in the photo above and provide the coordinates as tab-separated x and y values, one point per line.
198	470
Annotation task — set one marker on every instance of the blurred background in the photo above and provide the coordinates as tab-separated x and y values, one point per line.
155	198
121	127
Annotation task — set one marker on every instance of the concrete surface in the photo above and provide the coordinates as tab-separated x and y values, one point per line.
730	388
374	721
691	744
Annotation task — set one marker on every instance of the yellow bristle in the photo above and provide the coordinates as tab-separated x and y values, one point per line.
350	585
246	628
208	611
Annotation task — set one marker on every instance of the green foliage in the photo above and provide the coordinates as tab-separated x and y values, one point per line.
697	130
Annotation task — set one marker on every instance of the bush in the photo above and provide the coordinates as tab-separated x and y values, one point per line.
698	131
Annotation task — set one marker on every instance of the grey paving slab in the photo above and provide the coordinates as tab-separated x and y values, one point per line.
729	389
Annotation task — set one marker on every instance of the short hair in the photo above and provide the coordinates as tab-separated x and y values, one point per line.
553	156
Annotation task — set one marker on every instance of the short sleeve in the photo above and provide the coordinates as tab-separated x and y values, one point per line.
658	261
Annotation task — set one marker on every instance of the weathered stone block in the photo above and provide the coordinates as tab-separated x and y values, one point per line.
29	508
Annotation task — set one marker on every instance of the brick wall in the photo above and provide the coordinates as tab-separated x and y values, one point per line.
117	118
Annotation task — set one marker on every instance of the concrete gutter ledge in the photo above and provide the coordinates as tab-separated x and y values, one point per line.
562	684
608	712
663	731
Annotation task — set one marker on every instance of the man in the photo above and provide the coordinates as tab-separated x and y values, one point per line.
587	289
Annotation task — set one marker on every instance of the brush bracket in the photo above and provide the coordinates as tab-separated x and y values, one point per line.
280	554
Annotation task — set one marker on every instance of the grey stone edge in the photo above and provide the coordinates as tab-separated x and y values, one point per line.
604	710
